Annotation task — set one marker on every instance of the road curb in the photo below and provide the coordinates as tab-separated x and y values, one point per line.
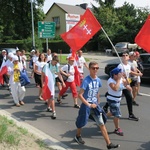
50	141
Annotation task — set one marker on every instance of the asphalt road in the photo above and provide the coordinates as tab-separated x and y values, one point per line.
136	134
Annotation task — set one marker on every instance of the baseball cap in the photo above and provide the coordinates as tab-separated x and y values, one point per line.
115	71
15	58
131	53
33	50
71	58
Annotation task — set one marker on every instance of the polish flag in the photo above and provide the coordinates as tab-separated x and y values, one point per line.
3	70
48	87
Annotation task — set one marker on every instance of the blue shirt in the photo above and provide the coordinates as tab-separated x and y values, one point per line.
91	88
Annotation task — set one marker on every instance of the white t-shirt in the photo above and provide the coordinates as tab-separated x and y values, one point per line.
49	57
125	69
80	63
133	65
114	93
40	65
71	72
35	58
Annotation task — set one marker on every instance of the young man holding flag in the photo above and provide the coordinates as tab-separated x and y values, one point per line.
48	84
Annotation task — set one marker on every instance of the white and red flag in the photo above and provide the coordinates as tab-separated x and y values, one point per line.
48	88
3	70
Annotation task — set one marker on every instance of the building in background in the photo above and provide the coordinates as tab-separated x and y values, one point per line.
65	16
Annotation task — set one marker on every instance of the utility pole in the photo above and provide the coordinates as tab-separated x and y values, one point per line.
33	39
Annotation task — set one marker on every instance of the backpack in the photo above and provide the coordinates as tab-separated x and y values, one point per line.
63	76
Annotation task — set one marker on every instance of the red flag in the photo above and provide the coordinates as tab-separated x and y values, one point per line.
48	87
143	37
82	32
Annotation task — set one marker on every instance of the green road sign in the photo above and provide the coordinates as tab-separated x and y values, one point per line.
46	29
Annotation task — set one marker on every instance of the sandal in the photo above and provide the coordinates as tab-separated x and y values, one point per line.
59	101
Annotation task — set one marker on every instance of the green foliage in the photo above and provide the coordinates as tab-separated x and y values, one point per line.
16	22
121	24
27	44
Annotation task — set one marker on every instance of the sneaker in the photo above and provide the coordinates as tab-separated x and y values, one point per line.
49	109
105	109
79	140
59	101
111	145
135	103
54	115
64	96
118	132
76	106
41	98
132	117
139	94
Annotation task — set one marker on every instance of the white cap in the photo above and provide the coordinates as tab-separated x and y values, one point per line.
131	53
3	50
33	50
15	58
10	55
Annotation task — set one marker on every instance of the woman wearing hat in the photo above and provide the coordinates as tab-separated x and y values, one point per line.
116	83
18	91
68	70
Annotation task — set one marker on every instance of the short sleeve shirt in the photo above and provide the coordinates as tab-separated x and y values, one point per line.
91	88
71	72
125	69
53	69
40	65
80	62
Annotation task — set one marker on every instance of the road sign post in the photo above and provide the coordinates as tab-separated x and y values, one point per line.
46	29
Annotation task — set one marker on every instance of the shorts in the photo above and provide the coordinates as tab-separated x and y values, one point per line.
114	108
98	119
134	83
57	80
38	80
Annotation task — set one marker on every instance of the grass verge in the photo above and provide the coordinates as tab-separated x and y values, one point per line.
13	137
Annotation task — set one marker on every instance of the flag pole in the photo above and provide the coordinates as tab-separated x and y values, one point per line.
114	49
112	44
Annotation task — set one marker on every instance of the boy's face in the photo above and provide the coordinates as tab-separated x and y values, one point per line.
94	69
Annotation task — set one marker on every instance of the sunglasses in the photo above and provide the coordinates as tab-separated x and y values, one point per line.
94	68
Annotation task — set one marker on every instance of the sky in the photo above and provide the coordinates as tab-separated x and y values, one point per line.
137	3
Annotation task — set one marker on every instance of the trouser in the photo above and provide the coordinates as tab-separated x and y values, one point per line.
73	88
18	92
129	98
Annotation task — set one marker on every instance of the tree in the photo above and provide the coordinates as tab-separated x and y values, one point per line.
16	18
121	24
